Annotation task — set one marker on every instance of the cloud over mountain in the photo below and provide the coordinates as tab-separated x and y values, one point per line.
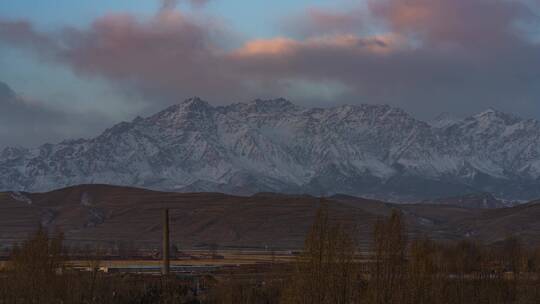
25	122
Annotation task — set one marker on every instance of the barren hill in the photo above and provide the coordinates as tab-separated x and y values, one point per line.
90	214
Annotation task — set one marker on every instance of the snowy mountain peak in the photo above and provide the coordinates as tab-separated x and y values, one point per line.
276	146
444	120
193	104
190	114
489	111
492	115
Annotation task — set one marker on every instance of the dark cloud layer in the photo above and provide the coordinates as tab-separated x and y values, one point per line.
26	123
427	56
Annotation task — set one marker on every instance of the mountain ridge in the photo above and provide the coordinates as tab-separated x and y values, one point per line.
375	151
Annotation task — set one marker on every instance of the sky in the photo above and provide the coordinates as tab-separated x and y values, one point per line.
71	69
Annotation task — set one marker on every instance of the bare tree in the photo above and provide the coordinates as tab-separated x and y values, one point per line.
388	275
326	270
36	265
423	279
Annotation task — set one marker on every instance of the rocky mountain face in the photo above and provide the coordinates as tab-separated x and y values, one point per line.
275	146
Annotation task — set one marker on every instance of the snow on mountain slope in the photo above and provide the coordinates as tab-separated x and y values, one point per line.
274	145
444	120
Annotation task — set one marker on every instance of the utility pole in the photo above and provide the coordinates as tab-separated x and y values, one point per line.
165	250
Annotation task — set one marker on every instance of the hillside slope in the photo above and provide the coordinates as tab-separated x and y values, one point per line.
90	214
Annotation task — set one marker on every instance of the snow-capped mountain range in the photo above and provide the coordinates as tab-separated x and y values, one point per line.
277	146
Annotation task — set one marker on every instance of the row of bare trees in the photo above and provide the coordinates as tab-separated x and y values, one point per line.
34	262
396	270
38	274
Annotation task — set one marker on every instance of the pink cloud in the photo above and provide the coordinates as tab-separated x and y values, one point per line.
467	23
278	47
275	46
170	53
